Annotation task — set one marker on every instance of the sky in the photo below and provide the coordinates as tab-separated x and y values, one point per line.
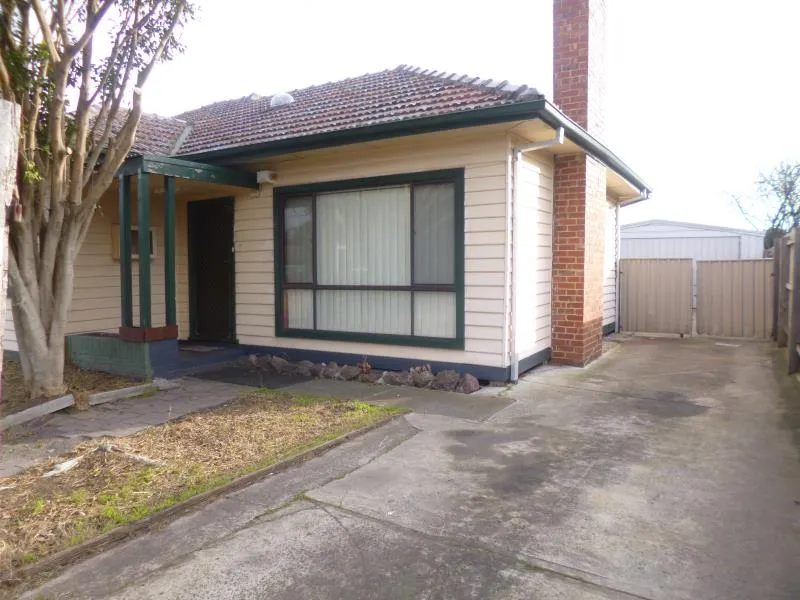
701	95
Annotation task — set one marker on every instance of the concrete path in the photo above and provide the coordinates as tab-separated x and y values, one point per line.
38	440
667	470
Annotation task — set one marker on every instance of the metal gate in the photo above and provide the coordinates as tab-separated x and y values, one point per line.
656	295
734	298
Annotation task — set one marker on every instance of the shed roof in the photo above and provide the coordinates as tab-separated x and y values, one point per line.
685	225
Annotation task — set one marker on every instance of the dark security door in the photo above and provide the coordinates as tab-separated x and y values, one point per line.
211	270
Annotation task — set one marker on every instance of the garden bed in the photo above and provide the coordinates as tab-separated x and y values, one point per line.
122	480
79	382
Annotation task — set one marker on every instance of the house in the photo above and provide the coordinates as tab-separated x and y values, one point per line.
407	216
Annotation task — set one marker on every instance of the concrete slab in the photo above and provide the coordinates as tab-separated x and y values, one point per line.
667	470
330	553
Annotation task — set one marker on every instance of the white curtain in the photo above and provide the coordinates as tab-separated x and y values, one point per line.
434	233
435	314
363	237
364	311
297	215
299	309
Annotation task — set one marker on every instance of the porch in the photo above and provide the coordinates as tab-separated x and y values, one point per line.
176	311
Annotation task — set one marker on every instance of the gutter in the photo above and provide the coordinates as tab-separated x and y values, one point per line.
589	144
516	152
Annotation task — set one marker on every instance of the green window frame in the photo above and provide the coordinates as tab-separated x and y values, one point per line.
282	194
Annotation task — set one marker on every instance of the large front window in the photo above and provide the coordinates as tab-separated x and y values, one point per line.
377	260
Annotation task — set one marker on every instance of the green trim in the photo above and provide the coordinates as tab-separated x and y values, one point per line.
169	251
469	118
143	206
589	144
280	196
185	169
125	266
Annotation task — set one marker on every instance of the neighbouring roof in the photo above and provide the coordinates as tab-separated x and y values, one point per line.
389	96
684	225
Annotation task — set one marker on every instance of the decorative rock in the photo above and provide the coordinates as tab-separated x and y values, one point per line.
421	378
394	378
317	369
371	377
349	372
302	370
468	384
445	380
331	370
281	365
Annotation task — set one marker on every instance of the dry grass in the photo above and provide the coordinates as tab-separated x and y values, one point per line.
79	382
39	516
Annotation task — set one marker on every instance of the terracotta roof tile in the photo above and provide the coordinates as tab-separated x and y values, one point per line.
394	95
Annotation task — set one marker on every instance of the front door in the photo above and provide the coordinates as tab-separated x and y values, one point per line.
211	270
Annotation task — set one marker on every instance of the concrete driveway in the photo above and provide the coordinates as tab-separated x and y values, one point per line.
666	470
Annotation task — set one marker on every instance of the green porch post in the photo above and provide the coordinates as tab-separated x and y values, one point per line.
169	249
125	270
143	201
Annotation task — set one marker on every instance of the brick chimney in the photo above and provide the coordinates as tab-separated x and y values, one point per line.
580	203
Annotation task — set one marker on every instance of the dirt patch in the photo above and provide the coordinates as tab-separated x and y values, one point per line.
79	382
121	480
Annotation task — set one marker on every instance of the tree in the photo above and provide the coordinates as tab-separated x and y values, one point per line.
777	208
81	99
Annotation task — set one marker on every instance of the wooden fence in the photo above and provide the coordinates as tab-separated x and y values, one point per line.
786	299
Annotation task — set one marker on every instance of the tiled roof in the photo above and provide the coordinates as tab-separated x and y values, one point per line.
155	134
394	95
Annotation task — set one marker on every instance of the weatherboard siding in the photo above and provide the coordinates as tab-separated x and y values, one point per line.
610	258
484	159
535	247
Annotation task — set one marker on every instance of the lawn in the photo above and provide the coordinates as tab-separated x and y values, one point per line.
121	480
79	382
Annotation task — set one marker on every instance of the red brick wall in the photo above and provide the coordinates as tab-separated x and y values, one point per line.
580	185
578	61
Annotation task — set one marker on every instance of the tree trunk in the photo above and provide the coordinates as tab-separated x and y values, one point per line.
9	139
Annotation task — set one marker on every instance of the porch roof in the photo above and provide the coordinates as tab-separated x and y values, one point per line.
186	169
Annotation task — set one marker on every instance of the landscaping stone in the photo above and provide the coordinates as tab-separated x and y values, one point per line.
371	377
421	379
445	380
281	365
394	378
302	369
349	372
331	370
317	369
468	384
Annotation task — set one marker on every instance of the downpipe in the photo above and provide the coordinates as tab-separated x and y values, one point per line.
517	152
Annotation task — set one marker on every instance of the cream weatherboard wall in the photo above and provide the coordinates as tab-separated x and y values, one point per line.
610	258
482	154
535	247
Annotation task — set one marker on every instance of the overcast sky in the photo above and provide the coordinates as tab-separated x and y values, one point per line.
701	95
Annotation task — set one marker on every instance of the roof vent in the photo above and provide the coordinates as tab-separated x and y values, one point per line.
280	100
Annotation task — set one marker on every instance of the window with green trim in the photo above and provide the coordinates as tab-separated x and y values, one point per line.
378	260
